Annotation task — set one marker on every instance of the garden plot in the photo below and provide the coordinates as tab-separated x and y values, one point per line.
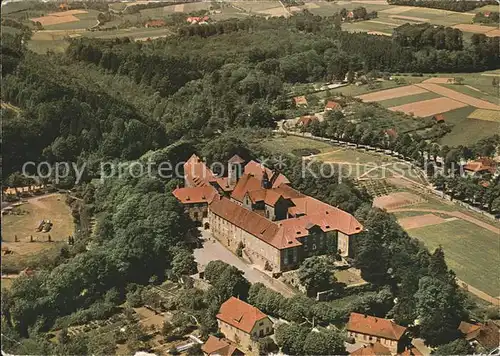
486	115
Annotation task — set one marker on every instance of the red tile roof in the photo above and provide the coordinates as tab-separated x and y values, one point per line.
391	133
239	314
248	220
371	350
379	327
470	331
219	346
306	120
257	170
330	105
197	173
247	183
194	195
481	165
300	100
438	117
223	183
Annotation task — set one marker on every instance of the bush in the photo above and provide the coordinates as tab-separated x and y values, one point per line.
239	250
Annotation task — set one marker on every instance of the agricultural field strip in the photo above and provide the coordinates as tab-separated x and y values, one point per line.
463	98
392	93
486	115
429	107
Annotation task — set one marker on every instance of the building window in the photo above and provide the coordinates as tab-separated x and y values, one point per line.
314	247
261	333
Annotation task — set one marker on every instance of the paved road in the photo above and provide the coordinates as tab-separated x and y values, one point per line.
214	250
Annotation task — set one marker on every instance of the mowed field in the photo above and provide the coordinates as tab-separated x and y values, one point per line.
471	251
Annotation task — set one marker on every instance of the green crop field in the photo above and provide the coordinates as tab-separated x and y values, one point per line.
408	99
471	251
474	93
466	131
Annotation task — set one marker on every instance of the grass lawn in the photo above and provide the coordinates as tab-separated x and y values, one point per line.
472	252
408	99
135	33
409	214
466	131
355	156
486	8
41	47
282	145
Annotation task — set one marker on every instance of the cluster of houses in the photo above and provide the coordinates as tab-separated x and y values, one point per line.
243	325
255	209
200	20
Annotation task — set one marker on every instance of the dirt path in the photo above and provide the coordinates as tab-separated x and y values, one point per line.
456	214
479	293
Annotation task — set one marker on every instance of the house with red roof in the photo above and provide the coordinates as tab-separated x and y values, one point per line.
375	349
438	118
369	330
300	101
243	323
483	336
215	346
332	105
196	200
480	167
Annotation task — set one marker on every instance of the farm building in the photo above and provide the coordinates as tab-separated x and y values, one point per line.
220	346
486	336
368	330
307	120
332	105
439	118
277	225
155	23
243	323
480	167
300	101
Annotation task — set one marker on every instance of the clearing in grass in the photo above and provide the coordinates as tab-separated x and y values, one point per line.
471	251
397	200
415	222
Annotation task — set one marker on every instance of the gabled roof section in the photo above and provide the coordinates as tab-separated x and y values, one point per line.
245	219
197	174
194	195
239	314
371	350
257	170
247	183
218	346
332	105
379	327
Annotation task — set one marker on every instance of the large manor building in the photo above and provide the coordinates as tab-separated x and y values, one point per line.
256	209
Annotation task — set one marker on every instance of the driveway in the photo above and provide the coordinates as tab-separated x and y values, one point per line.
213	250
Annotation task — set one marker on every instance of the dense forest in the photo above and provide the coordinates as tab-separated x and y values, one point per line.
451	5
